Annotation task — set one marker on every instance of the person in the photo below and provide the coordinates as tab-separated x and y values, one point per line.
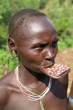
33	38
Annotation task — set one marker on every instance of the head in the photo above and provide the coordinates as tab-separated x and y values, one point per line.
33	38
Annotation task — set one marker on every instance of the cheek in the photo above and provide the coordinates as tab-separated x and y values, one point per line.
30	56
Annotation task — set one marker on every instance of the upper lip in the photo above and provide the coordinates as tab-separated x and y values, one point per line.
47	64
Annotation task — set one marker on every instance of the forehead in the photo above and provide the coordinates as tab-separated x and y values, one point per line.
37	25
38	29
41	24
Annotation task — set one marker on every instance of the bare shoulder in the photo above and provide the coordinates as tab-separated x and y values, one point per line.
7	86
3	95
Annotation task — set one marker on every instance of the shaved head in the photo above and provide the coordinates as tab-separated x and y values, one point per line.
25	18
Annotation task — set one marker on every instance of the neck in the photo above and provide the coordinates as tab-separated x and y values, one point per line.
25	76
26	91
28	77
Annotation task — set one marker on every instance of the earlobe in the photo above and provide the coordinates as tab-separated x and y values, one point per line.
11	44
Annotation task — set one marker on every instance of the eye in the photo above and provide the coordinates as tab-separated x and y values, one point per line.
39	47
54	44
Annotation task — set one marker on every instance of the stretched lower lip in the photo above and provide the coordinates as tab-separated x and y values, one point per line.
57	71
47	66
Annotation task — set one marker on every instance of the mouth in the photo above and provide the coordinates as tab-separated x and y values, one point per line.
47	64
56	70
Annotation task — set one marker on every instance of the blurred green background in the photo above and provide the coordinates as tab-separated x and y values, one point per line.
59	11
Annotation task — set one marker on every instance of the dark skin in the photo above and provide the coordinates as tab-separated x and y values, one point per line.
37	46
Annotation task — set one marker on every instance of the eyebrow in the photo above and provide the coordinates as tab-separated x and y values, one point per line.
43	43
39	44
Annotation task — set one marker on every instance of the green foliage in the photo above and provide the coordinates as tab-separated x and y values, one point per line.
7	61
59	11
9	7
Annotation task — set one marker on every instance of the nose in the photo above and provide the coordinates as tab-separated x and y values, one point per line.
49	54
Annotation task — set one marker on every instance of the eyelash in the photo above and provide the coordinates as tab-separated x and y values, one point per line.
40	47
54	44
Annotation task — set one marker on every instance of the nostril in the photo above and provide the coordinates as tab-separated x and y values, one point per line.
49	54
49	57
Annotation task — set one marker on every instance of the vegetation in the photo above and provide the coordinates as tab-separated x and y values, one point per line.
59	11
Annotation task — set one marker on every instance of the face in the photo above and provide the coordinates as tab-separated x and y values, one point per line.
38	46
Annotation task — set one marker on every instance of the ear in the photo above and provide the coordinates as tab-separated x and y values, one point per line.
11	44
